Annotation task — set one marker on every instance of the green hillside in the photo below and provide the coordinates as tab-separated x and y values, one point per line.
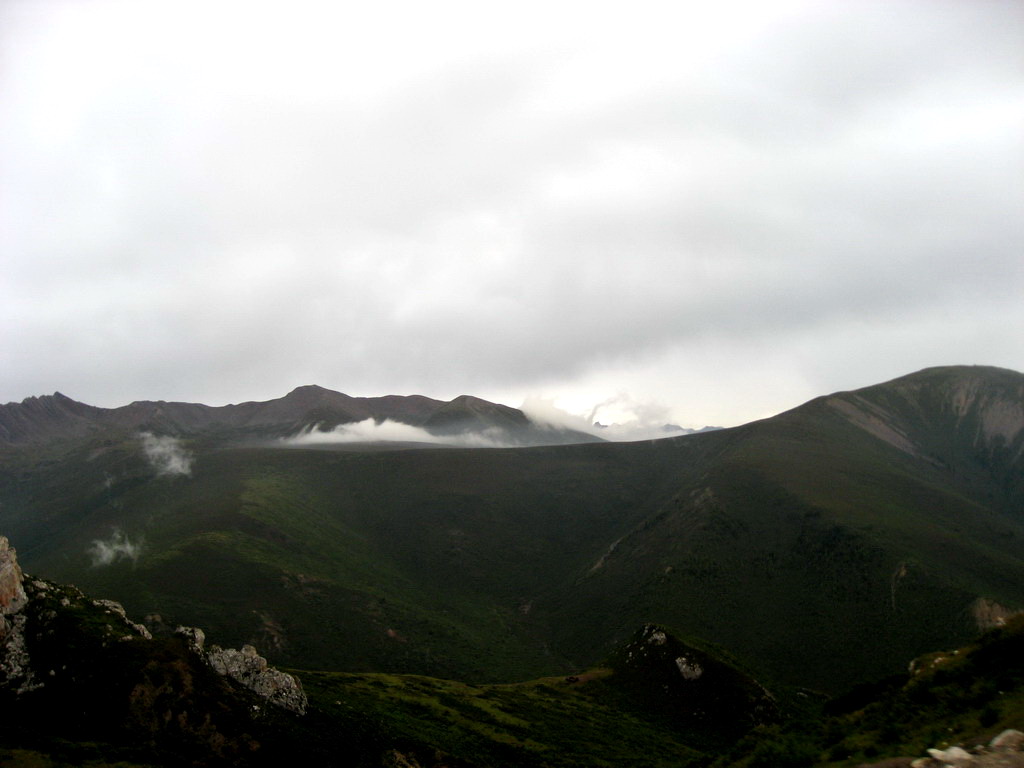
85	686
823	547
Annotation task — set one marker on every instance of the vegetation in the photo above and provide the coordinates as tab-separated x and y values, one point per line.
960	697
824	548
819	553
122	700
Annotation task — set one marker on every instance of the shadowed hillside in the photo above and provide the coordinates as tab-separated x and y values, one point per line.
823	547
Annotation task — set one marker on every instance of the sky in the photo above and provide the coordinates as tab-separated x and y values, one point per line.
688	212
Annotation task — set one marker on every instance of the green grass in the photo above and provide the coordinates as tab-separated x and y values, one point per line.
777	540
546	722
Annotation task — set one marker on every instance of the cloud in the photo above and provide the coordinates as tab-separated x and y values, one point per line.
370	431
166	455
117	547
628	419
543	411
482	198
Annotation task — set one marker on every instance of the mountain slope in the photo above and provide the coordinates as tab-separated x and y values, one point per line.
843	551
823	547
82	684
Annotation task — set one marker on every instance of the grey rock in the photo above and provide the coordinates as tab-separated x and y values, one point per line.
689	670
16	670
1010	740
251	670
194	636
12	590
954	756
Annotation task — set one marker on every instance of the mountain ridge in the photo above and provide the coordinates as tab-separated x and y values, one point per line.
50	418
816	551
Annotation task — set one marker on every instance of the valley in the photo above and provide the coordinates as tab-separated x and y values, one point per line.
818	550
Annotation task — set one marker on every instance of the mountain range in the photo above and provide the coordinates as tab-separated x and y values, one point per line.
57	417
820	549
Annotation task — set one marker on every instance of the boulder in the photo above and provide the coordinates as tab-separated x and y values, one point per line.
954	756
1009	740
251	670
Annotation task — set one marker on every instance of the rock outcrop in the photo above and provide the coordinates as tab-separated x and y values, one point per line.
245	667
249	669
15	669
12	590
1004	751
694	689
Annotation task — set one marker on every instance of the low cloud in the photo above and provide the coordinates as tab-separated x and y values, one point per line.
643	421
387	431
117	547
166	455
543	411
635	430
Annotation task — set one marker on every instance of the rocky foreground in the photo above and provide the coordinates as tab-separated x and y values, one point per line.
1004	751
78	674
18	672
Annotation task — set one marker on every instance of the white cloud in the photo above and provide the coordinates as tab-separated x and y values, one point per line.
166	455
387	431
621	418
465	197
117	547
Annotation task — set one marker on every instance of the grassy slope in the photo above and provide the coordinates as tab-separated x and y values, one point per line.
547	722
815	552
327	551
116	697
962	697
106	707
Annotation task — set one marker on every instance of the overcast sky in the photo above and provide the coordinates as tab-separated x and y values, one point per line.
698	212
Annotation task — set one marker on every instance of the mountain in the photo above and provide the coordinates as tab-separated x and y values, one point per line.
823	547
959	707
851	533
40	420
81	683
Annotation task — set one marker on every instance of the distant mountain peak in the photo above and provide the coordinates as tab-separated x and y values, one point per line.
311	388
977	406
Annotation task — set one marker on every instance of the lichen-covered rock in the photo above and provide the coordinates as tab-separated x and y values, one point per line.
1010	740
689	670
12	590
657	637
112	606
957	757
16	671
1004	751
194	637
250	669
